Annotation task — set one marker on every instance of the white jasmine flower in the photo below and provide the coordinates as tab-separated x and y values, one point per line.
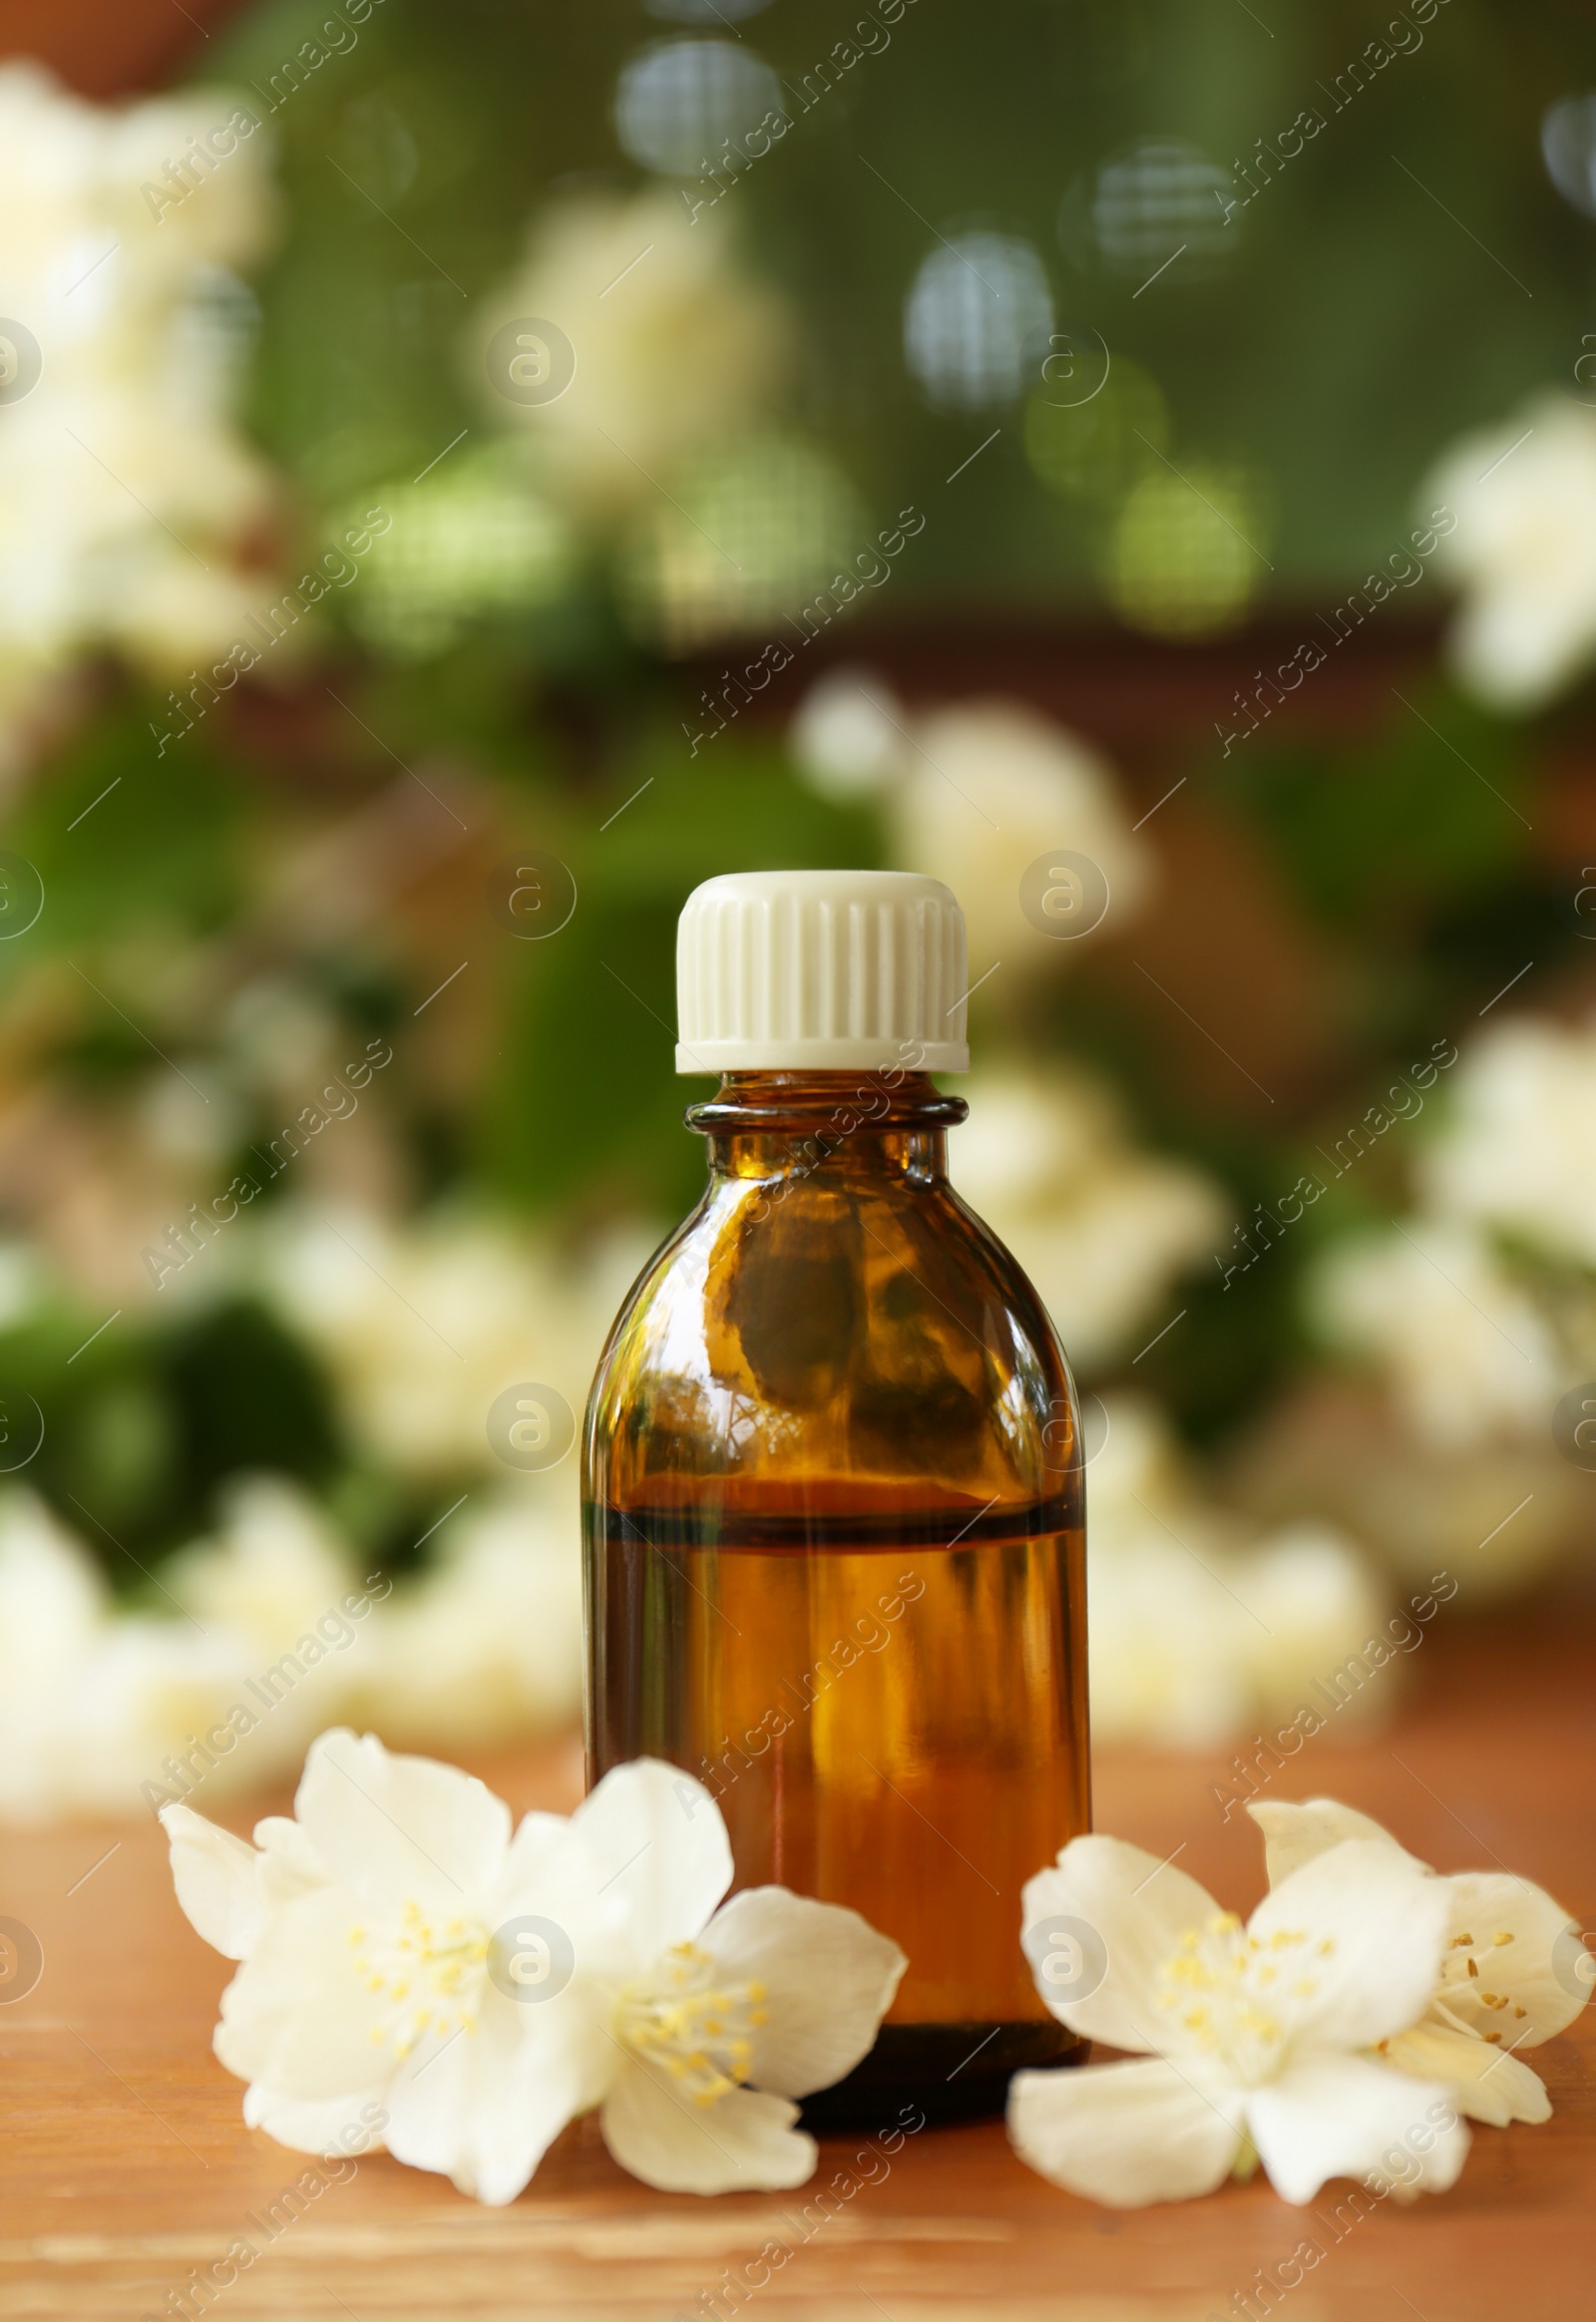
848	734
364	1926
674	347
404	1954
986	788
1523	550
1465	1349
1475	1316
488	1644
975	794
1250	2038
712	2020
1311	1603
1199	1627
274	1568
90	1701
278	1584
129	503
1515	1970
424	1325
1101	1227
1337	1449
1520	1134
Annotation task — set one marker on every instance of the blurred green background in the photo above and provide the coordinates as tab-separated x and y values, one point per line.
1167	386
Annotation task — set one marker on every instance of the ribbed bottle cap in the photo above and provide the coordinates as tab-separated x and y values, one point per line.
821	971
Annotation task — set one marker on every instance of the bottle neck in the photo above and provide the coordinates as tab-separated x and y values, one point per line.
888	1122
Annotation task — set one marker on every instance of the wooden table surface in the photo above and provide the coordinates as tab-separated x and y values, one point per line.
124	2159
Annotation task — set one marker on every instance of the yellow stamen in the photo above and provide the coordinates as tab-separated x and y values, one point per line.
694	2030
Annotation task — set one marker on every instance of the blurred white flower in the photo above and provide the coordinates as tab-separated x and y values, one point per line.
423	1326
130	504
1518	1148
1492	1513
89	1703
277	1583
278	1036
487	1644
273	1567
271	1631
1312	1603
197	1122
1463	1345
51	1607
1169	1664
1197	1626
264	1629
974	794
1568	148
1523	550
150	1691
674	347
1473	1317
1100	1228
849	733
989	787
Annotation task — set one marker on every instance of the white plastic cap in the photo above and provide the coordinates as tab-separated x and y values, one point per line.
822	972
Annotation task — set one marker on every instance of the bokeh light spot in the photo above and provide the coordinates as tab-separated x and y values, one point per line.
681	104
977	320
1183	558
758	531
1096	451
1568	147
1157	197
473	542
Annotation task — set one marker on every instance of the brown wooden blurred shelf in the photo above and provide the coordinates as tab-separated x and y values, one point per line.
1143	699
111	47
124	2160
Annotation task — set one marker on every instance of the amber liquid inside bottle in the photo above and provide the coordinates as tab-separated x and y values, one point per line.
834	1557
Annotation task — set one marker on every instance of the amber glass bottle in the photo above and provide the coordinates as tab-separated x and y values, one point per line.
833	1484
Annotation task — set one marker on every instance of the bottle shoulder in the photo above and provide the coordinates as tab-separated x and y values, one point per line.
874	1330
